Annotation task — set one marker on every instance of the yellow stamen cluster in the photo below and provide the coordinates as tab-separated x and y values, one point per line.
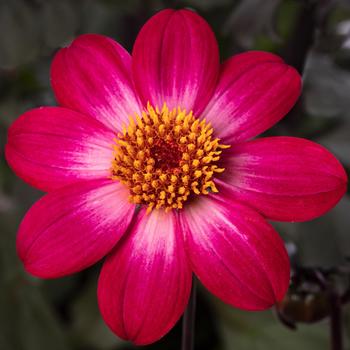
164	156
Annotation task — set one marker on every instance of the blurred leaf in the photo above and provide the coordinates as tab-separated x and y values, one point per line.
20	44
37	327
243	330
60	21
342	56
323	242
26	320
250	18
346	311
7	203
341	219
96	16
338	142
25	196
32	27
88	327
326	87
287	14
314	127
340	13
317	243
209	4
326	97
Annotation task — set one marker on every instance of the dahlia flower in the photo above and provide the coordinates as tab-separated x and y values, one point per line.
148	160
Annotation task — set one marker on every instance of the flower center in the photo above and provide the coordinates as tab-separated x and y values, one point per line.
165	156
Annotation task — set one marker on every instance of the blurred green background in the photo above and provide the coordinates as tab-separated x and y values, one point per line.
312	35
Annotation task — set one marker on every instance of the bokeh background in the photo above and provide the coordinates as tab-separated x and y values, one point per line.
312	35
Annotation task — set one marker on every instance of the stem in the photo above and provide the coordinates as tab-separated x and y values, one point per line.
302	38
336	321
189	320
312	19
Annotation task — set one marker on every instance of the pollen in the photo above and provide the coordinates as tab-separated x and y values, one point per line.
166	156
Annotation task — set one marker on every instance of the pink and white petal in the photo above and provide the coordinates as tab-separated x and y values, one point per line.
255	90
235	253
93	76
145	283
284	178
72	228
176	60
50	147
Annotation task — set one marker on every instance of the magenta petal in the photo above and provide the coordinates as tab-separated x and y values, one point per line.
73	227
176	60
285	178
145	283
235	253
93	76
255	90
50	147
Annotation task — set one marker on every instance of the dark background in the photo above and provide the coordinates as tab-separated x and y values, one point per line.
314	36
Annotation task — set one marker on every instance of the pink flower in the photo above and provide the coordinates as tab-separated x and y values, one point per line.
166	131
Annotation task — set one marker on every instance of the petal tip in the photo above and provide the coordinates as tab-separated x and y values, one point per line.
142	277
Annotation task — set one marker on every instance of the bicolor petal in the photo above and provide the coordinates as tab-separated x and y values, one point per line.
145	283
255	90
176	60
235	253
72	228
93	76
50	147
284	178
